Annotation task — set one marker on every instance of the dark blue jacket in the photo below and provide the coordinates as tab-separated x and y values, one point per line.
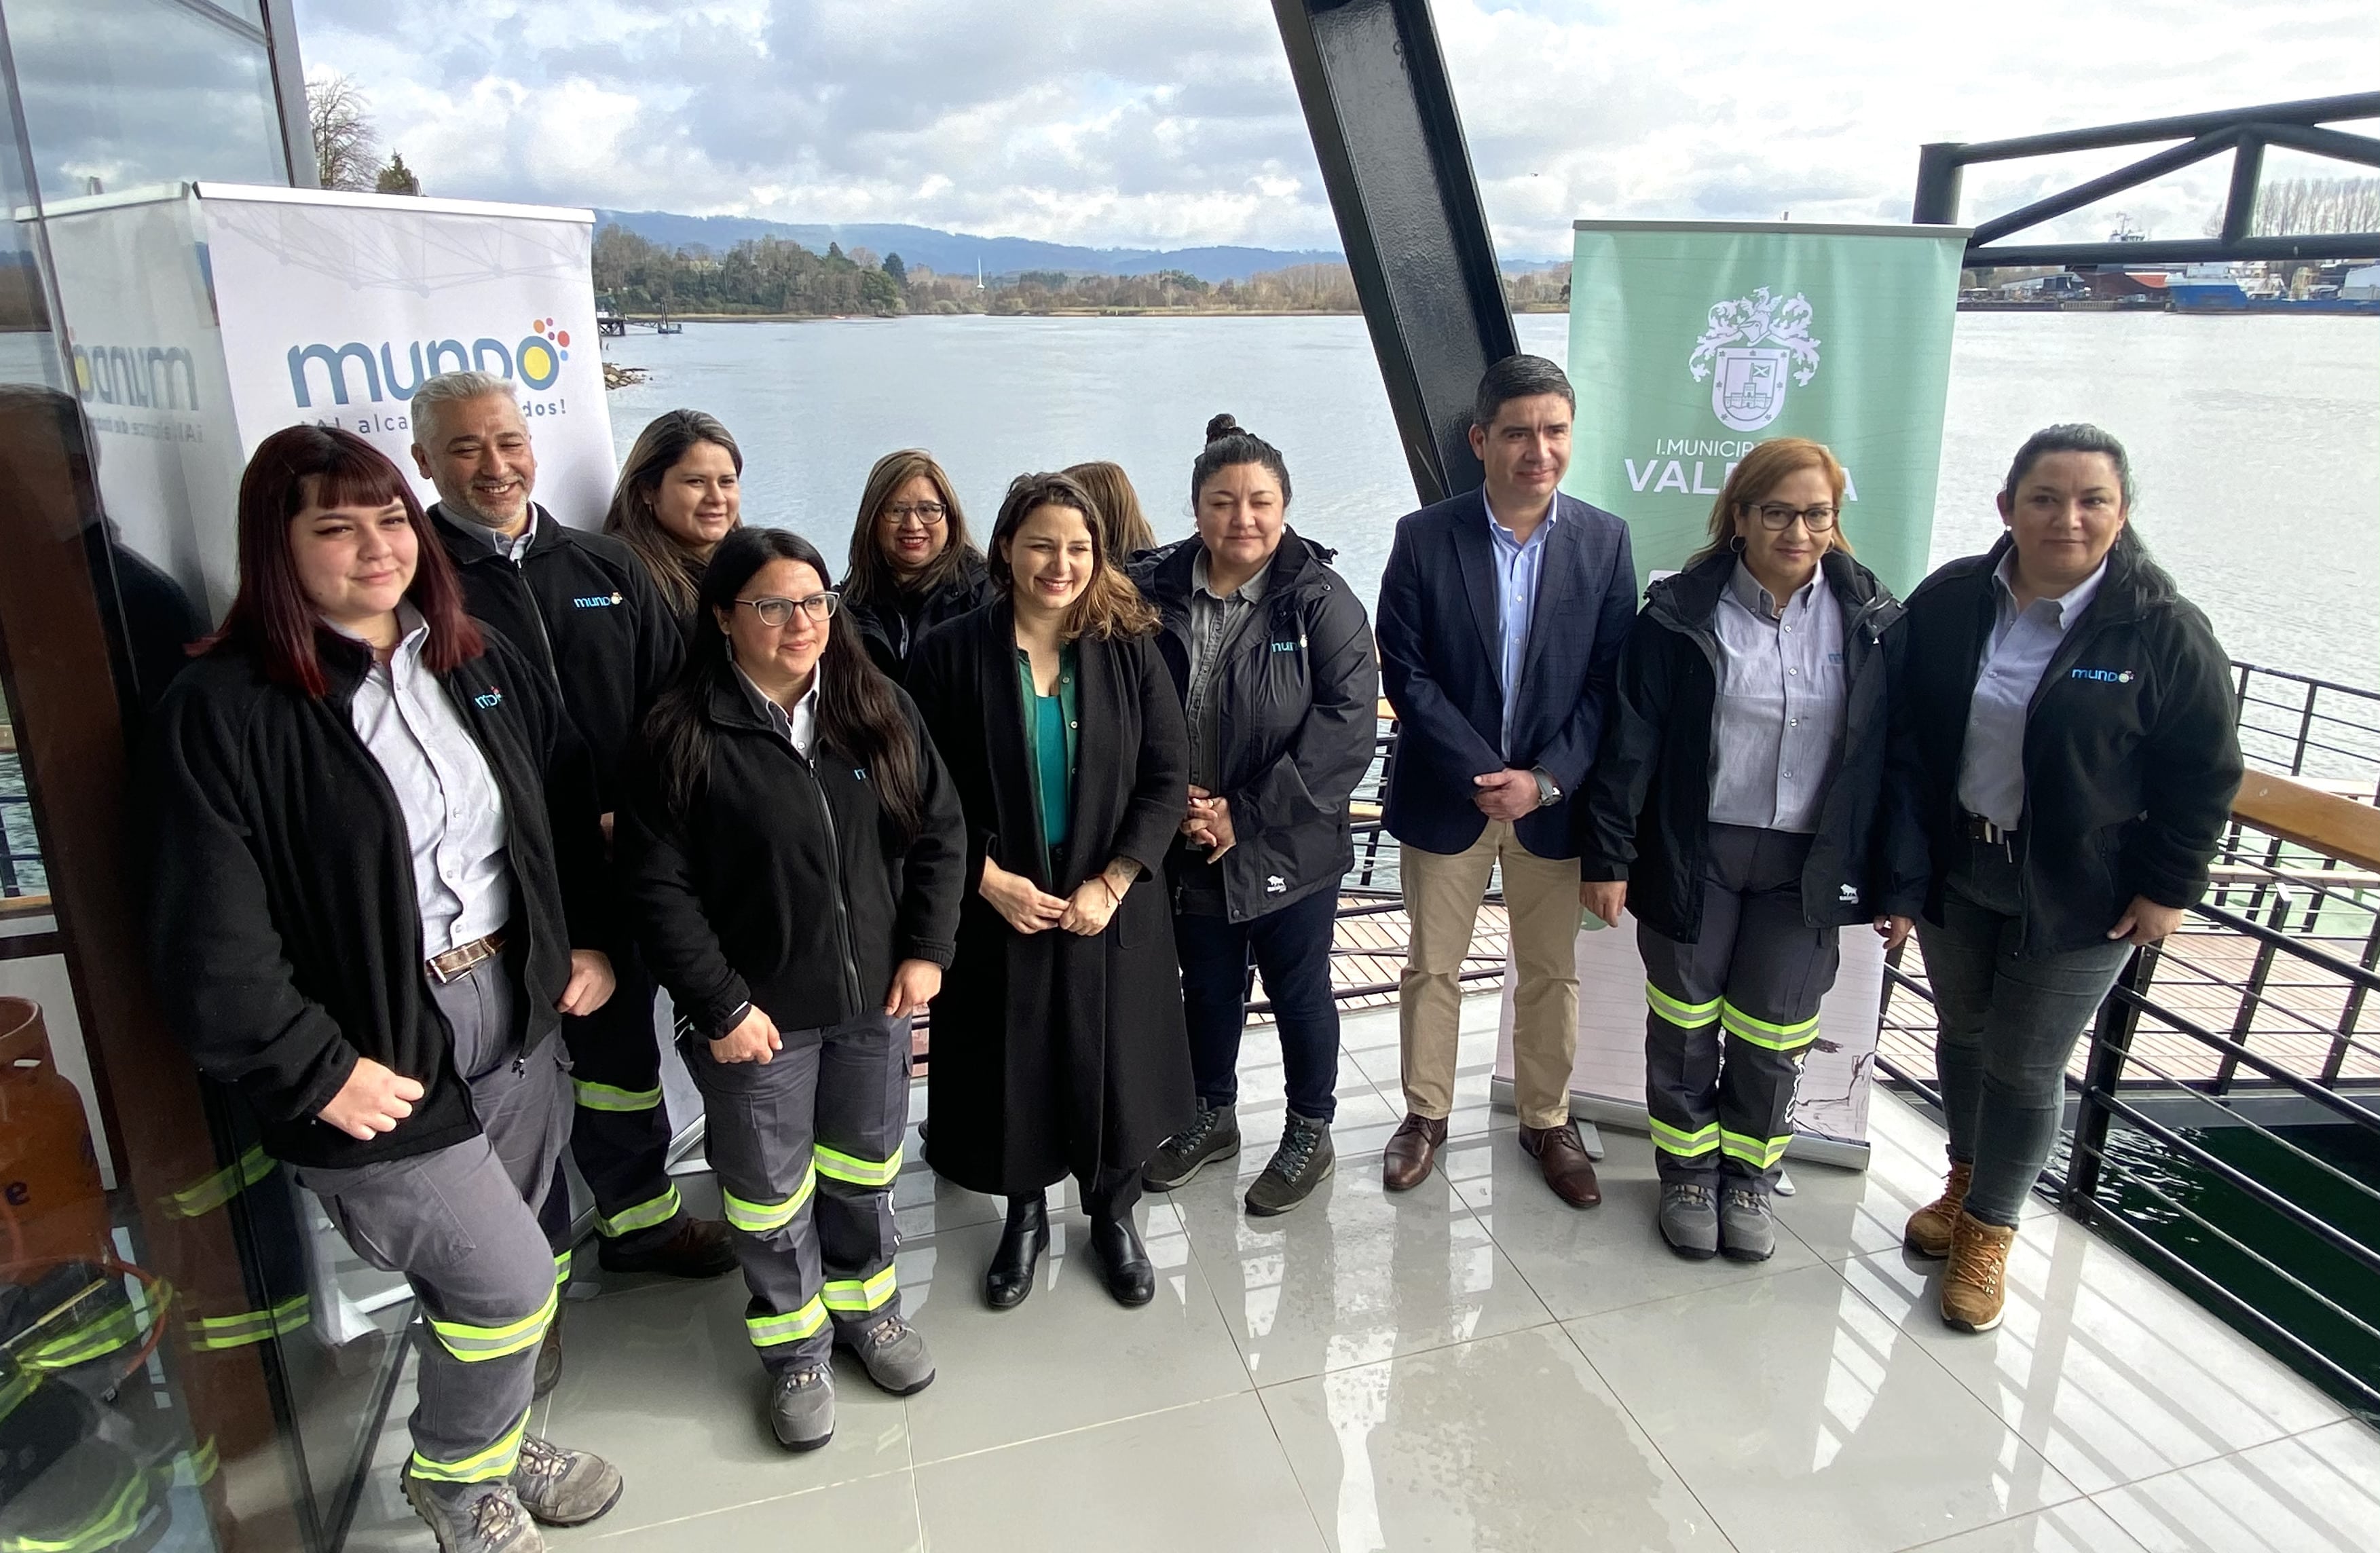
1440	648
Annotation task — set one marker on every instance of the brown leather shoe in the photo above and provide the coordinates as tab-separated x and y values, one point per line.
697	1248
1410	1151
1563	1159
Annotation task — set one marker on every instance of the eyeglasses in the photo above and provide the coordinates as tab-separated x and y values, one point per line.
819	607
926	515
1776	516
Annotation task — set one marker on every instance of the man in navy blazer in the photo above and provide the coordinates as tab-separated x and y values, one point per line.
1501	619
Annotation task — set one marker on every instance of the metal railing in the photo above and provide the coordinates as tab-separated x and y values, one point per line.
2225	1116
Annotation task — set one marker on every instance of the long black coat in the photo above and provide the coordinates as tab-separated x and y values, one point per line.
1052	1053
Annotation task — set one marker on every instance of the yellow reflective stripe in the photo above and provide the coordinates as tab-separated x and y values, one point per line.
496	1460
851	1296
473	1344
562	1267
609	1097
644	1216
222	1187
1760	1032
112	1525
1759	1153
759	1218
218	1332
839	1166
204	1459
1673	1140
100	1335
1686	1015
767	1331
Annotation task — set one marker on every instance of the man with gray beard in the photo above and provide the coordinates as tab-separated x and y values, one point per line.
580	605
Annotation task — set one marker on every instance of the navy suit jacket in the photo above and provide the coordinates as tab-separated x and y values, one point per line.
1440	648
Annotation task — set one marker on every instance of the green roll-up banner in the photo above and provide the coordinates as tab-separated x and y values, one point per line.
1692	341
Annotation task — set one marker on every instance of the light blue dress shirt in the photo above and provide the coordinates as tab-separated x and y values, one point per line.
1991	762
1518	565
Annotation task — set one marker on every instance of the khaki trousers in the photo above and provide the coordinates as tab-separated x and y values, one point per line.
1443	897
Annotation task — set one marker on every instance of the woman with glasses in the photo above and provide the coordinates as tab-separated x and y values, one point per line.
793	851
1059	1043
680	494
2070	762
913	565
1735	811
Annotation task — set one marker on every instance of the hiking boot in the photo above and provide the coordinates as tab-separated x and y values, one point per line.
1302	1162
1928	1233
564	1487
473	1517
894	1355
1748	1229
1214	1135
801	1406
1974	1287
549	1354
1688	1219
697	1248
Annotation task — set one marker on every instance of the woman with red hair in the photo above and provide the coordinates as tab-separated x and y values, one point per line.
378	888
1735	810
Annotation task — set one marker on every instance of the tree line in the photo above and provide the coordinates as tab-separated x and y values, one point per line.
771	275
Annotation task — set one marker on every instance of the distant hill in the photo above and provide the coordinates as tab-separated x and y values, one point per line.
956	253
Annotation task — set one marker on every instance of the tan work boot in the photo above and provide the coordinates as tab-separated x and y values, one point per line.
1975	1286
1928	1233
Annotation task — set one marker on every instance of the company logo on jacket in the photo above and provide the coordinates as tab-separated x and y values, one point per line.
491	700
598	601
2109	676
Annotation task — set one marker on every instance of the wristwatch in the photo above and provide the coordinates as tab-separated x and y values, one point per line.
1549	792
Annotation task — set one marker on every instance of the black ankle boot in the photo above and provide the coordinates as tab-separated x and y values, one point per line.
1130	1278
1010	1277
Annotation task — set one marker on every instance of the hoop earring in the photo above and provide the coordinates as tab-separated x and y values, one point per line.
1736	545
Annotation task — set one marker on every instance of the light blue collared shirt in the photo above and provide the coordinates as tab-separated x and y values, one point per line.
2016	654
1517	569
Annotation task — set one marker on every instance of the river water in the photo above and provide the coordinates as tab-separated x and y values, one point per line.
2256	438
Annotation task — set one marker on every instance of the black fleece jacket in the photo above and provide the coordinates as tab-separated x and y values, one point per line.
285	933
781	883
1299	707
1646	815
583	608
2131	757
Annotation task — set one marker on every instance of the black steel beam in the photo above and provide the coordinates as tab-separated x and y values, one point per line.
2191	250
2240	205
2128	176
1381	110
2324	142
2187	127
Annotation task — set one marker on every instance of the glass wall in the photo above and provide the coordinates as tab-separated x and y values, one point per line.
188	1357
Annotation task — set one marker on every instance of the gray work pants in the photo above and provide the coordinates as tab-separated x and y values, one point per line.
1730	1016
2008	1024
462	1224
806	1147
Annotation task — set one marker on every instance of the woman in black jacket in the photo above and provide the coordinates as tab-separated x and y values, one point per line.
1059	1046
2069	767
1735	810
912	565
1271	654
793	850
681	492
375	849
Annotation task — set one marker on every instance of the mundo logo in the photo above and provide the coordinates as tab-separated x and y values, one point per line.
534	361
1747	347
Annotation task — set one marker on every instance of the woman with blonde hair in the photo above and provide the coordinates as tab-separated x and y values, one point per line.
1060	1047
912	565
1123	525
1735	810
680	494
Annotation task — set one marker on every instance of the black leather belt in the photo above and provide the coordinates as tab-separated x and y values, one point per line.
1982	829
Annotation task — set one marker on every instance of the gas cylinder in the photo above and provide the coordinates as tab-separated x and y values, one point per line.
51	1206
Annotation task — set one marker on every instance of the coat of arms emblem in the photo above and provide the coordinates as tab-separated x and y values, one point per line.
1748	349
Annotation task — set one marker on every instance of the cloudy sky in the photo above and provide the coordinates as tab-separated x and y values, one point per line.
1173	122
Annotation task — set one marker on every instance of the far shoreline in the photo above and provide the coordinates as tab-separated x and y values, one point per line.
647	320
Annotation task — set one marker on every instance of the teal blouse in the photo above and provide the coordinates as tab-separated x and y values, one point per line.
1051	732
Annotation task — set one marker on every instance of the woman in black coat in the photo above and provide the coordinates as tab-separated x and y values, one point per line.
912	565
1058	1040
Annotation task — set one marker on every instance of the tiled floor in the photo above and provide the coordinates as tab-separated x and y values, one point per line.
1475	1366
